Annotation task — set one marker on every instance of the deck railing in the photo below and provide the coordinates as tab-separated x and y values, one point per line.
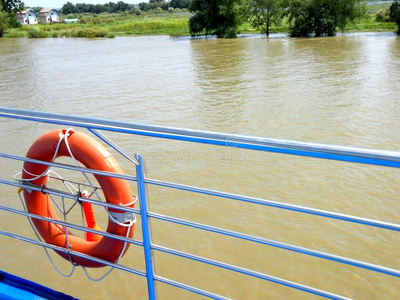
322	151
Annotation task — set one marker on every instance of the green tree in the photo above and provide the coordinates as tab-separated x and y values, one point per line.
12	6
321	17
4	21
395	13
98	9
37	9
264	13
382	15
142	6
180	3
69	8
219	17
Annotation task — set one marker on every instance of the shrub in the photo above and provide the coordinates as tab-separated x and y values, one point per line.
382	15
141	27
83	20
96	20
395	13
15	33
36	32
135	11
89	32
4	22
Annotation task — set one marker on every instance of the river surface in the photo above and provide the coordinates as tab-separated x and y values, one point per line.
341	90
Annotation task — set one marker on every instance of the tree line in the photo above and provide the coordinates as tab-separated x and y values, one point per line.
120	6
165	5
305	17
111	7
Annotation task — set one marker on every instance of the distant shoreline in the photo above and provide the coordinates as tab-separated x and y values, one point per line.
175	25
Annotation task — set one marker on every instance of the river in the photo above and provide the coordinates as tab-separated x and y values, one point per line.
339	90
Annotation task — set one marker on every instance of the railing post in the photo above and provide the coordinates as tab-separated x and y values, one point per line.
148	256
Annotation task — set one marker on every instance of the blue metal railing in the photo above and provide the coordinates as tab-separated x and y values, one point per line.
349	154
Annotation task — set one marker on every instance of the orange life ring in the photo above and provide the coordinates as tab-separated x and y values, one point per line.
117	191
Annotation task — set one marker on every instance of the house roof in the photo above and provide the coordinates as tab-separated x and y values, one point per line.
29	10
47	10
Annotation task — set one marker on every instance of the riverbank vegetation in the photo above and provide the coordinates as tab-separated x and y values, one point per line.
395	14
298	18
4	21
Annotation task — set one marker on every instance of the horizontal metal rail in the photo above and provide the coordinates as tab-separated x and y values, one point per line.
72	252
302	250
275	204
72	226
307	210
189	288
68	167
340	153
68	195
244	271
117	266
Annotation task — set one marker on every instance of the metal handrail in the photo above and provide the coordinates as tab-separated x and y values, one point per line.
113	265
342	153
350	154
285	246
268	242
70	225
68	167
29	186
296	208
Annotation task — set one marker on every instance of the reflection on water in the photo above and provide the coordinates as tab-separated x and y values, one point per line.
339	90
220	77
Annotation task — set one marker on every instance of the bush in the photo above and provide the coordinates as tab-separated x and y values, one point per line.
85	32
143	27
96	20
135	11
395	13
13	20
14	33
36	32
4	22
383	15
83	20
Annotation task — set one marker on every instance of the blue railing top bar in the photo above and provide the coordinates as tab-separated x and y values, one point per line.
341	153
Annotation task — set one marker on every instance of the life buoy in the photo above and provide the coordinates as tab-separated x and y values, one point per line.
117	191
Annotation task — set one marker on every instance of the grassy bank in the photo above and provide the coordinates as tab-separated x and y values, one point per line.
109	26
173	24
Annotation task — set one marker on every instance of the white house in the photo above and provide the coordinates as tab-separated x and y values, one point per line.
49	15
27	17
